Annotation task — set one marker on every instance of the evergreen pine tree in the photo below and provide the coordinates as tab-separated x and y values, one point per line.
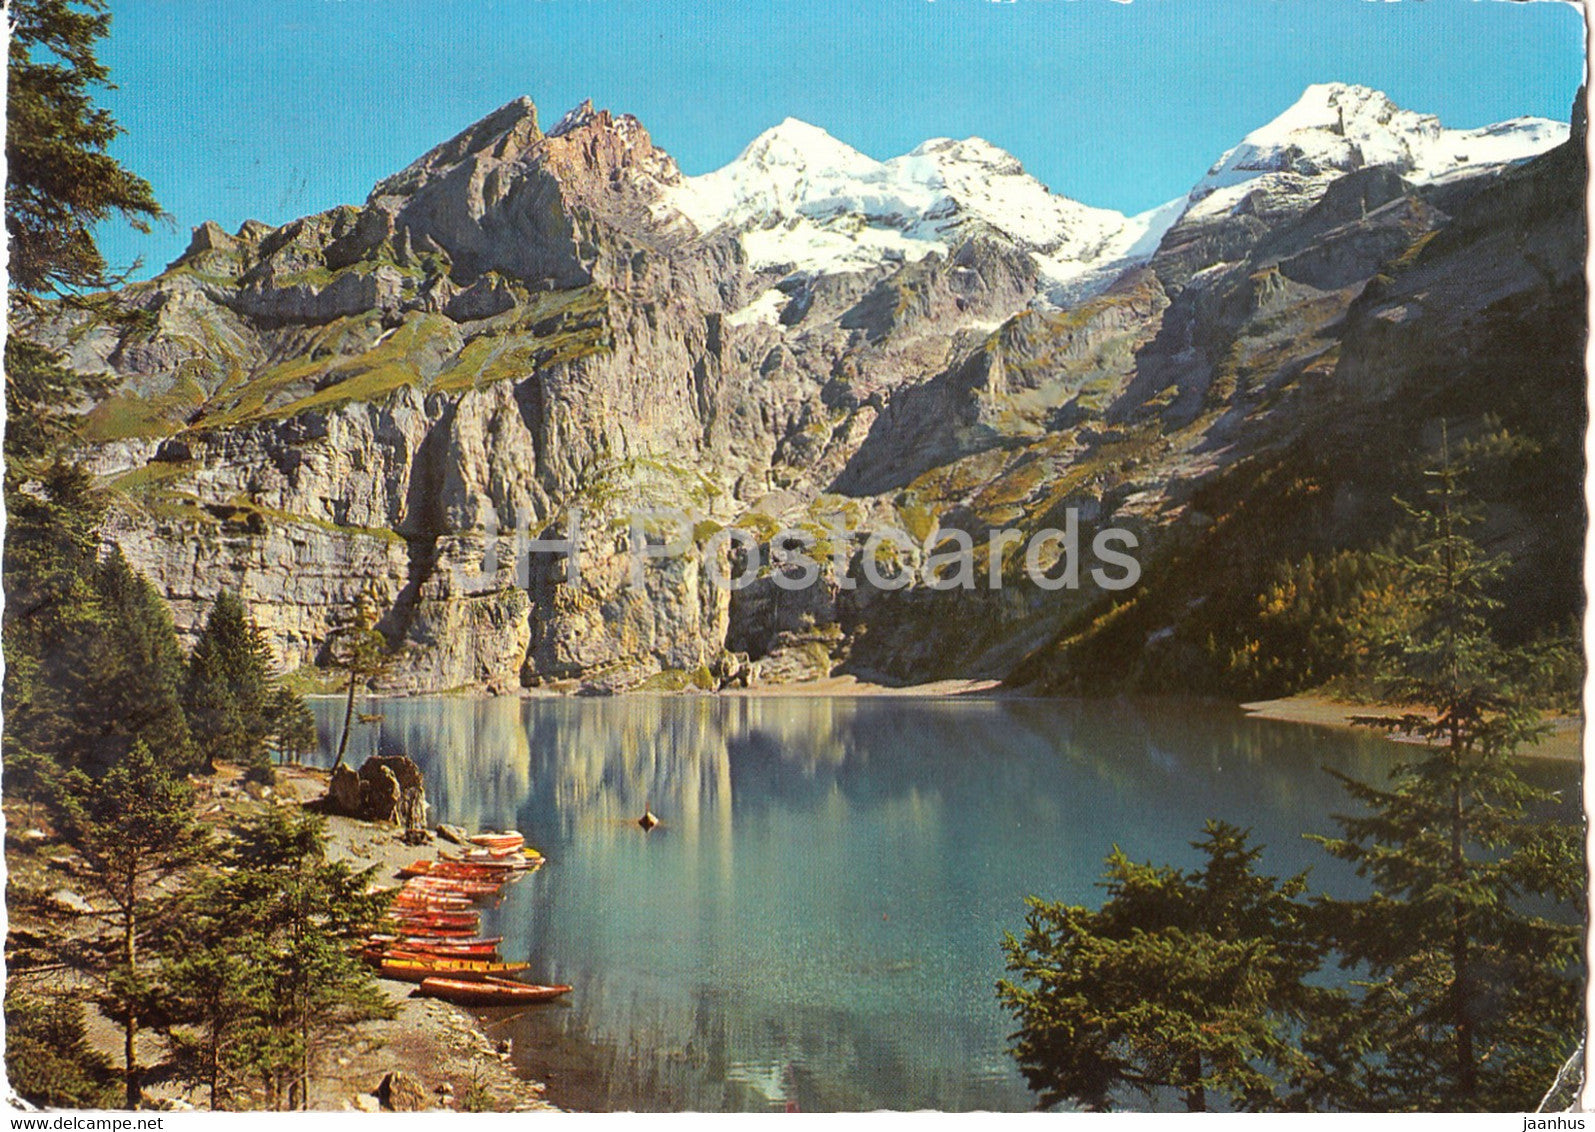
61	182
230	689
1186	981
51	541
266	981
93	659
293	733
1471	995
49	1060
131	669
134	830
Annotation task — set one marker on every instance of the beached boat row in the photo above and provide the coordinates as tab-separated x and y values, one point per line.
435	941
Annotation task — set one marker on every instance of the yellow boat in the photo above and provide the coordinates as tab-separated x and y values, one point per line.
414	970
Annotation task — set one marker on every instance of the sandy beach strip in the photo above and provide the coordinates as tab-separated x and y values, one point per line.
1565	742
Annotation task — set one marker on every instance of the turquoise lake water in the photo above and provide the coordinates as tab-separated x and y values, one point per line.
816	923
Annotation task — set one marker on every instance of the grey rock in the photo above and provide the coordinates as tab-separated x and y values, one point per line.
517	327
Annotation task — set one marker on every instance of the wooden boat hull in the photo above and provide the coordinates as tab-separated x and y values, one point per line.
432	940
435	949
499	842
422	932
447	870
468	920
456	886
474	893
436	904
417	970
496	863
490	991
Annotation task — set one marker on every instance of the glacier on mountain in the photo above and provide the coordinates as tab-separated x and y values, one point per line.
803	201
1337	128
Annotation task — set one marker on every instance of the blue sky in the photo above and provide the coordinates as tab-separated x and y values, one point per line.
272	110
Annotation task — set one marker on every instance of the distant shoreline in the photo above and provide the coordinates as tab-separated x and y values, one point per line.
852	686
840	686
1564	744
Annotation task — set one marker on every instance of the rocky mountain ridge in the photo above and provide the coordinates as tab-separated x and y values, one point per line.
522	326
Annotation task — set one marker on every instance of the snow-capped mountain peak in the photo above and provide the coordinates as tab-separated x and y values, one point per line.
1335	128
797	144
800	199
806	200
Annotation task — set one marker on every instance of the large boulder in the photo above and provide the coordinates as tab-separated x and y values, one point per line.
381	794
385	788
343	791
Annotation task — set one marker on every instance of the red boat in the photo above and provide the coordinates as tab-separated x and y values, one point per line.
505	842
453	939
432	902
490	991
498	862
439	920
463	949
447	870
456	886
419	931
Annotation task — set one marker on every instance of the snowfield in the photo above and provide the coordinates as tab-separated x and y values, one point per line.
802	201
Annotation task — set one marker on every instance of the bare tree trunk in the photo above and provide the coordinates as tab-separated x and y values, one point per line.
1195	1093
1461	993
130	1027
348	715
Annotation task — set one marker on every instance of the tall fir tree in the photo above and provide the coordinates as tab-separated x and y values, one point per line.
230	689
132	673
52	540
134	832
266	982
61	183
94	661
293	727
1471	984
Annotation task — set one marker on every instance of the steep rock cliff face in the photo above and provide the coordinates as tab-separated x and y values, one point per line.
525	330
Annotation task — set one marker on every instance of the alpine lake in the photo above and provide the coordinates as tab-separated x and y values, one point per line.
816	923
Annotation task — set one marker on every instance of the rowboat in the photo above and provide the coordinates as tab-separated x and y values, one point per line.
432	901
440	948
446	870
450	887
490	991
447	914
477	878
497	862
417	888
505	841
380	953
427	889
420	931
412	925
412	920
433	940
416	969
421	908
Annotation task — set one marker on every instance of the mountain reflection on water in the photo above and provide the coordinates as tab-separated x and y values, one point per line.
816	923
